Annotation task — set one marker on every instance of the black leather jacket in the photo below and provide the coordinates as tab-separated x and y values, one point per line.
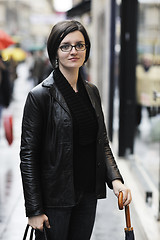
47	149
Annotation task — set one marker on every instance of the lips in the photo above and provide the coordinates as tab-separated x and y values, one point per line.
73	59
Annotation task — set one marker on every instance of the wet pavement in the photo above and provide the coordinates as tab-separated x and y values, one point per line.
12	216
110	221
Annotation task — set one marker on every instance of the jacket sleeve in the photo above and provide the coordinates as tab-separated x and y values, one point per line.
112	171
30	156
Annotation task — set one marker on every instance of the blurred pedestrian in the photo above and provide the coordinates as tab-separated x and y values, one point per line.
66	159
48	69
147	75
38	67
12	67
5	86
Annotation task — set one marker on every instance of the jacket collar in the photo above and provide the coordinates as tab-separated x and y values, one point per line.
50	83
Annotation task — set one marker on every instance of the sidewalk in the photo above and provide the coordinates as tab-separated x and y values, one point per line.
110	221
138	181
12	215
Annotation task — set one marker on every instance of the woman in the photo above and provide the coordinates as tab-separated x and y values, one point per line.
66	160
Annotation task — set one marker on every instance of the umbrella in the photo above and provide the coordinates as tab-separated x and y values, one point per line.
129	234
17	54
5	40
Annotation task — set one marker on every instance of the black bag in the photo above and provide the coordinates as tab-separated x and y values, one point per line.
32	231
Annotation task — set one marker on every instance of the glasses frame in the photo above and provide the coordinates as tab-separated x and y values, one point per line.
74	46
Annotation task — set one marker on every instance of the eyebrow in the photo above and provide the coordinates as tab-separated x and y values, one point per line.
70	43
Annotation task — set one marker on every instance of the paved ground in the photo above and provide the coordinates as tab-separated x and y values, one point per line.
110	222
12	217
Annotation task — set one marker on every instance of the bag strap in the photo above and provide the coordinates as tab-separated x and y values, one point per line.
32	230
26	231
31	235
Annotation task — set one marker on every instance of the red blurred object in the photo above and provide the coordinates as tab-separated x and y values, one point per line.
8	128
5	40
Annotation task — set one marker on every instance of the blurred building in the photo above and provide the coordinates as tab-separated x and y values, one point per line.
29	22
14	16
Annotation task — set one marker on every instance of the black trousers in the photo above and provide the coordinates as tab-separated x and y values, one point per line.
72	223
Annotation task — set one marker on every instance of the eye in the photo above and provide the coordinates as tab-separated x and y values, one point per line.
80	46
65	47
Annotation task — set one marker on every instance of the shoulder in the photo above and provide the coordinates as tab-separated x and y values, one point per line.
43	87
36	90
92	87
40	94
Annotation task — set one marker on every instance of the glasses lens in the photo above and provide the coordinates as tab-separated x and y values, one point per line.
66	48
80	47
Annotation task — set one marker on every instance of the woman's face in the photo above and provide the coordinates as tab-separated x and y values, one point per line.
73	58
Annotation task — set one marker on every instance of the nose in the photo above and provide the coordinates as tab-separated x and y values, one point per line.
73	50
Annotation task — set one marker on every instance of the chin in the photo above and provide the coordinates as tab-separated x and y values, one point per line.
75	65
72	66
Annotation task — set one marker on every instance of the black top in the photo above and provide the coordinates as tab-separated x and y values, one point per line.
85	128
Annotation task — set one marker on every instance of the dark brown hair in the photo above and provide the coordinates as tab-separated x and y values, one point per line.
58	33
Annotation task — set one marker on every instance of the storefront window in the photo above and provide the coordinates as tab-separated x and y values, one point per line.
147	142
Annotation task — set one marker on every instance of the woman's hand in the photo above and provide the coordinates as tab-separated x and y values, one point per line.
118	186
37	222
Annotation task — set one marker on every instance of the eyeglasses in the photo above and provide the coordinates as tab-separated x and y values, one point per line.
68	47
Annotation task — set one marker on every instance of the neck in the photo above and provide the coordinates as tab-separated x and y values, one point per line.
71	75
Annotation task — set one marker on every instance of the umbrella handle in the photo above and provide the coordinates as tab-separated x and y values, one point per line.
120	200
127	212
128	219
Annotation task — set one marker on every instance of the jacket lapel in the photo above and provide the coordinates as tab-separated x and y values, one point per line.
55	93
92	97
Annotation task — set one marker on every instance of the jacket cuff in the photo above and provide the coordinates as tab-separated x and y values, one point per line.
32	213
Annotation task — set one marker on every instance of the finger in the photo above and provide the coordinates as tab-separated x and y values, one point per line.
117	194
47	223
128	199
40	228
125	195
127	202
